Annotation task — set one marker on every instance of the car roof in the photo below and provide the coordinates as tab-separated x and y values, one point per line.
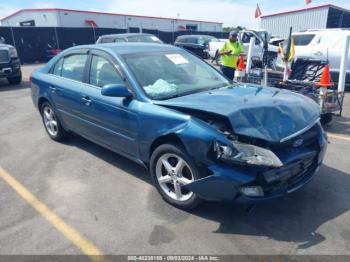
197	36
131	48
125	35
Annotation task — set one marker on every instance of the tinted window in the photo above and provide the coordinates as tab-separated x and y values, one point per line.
144	39
180	40
57	70
303	40
191	40
119	40
107	40
103	73
73	67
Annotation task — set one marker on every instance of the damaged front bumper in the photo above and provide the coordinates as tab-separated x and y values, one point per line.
234	182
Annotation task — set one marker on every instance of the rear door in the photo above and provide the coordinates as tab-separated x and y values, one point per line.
110	121
65	87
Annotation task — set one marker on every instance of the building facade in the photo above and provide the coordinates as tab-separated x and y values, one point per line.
319	17
56	17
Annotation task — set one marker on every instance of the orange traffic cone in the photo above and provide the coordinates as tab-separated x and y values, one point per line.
325	80
241	65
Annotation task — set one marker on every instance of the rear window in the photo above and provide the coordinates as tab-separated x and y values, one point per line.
73	67
144	39
302	40
107	40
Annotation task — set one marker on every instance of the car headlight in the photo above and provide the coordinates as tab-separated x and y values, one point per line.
13	52
245	153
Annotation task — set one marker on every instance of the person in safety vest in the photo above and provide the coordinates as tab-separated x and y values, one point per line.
229	55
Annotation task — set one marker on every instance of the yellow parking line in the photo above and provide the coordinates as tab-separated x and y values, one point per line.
345	138
69	232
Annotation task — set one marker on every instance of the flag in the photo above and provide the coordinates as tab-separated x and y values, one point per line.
287	48
257	11
308	2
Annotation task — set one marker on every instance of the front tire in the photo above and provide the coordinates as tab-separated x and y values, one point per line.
171	169
51	123
326	118
16	80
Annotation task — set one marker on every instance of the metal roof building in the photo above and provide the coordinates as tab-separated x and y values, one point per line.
318	17
57	17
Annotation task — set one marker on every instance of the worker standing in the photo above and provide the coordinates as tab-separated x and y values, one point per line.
229	55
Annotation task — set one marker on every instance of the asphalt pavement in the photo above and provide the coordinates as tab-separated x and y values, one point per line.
77	197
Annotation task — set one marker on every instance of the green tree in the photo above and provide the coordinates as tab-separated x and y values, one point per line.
231	28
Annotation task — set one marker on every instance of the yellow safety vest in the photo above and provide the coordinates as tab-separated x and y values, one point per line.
231	59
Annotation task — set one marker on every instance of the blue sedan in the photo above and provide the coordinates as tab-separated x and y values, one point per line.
201	136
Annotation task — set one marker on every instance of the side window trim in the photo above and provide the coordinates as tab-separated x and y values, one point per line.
89	67
115	64
73	52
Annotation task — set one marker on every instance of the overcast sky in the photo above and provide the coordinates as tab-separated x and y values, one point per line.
230	12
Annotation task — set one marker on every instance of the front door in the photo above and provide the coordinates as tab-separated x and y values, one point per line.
110	121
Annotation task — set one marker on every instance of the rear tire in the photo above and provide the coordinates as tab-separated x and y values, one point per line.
15	80
326	118
171	168
52	123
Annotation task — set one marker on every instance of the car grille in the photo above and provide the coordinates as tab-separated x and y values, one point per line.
289	176
309	138
4	56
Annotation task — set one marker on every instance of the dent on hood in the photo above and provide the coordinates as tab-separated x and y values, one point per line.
218	122
261	113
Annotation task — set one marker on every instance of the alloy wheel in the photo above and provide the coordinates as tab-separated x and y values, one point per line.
173	173
50	121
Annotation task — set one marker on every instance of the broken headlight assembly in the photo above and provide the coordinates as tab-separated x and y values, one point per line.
246	154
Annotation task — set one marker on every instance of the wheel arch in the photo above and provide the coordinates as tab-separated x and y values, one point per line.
41	101
171	138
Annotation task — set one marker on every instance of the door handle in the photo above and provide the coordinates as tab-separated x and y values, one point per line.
87	100
52	88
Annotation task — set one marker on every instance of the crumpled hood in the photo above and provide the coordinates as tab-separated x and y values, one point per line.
270	114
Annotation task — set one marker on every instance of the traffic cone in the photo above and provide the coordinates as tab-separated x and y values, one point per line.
241	65
325	80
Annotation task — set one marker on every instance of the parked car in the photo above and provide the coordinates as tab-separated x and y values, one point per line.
200	135
129	37
197	44
323	44
10	65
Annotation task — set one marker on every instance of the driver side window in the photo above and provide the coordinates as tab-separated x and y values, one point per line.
102	72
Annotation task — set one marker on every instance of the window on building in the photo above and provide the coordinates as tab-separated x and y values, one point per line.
192	27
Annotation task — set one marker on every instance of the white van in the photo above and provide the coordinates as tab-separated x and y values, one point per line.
323	44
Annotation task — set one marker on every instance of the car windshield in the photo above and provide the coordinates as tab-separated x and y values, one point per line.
165	75
263	34
144	39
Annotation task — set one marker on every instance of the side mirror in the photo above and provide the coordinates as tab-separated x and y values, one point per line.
116	90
